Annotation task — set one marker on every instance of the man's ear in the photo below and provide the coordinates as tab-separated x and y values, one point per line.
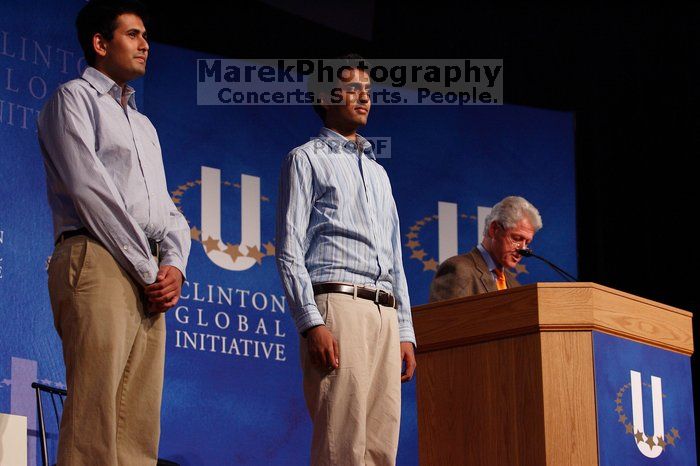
99	44
492	229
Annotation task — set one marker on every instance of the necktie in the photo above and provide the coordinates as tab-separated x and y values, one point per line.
500	279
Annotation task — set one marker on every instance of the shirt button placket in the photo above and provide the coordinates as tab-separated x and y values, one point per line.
372	215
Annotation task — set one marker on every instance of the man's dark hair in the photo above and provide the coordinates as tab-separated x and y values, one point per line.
351	60
100	17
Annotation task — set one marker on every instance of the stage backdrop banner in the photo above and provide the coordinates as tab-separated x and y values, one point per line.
233	391
38	51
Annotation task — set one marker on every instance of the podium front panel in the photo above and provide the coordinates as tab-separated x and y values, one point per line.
644	400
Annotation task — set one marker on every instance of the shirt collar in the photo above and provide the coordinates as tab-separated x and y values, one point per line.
487	258
337	141
105	85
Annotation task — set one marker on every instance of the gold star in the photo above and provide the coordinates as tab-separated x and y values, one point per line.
265	198
620	393
236	185
182	187
618	410
269	249
428	219
211	244
415	228
671	439
430	265
435	217
413	244
420	222
639	437
412	235
233	251
418	254
660	441
674	431
227	183
521	268
622	419
190	184
198	181
178	192
194	234
618	401
650	442
628	428
176	200
255	253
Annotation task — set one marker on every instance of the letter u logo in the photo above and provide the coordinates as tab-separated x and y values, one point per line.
649	448
447	228
211	220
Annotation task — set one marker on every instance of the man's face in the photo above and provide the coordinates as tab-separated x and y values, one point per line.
506	241
124	57
354	90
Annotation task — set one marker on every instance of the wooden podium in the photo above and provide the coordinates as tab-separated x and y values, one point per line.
507	378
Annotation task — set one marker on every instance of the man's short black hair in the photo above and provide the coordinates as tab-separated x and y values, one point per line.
351	60
100	17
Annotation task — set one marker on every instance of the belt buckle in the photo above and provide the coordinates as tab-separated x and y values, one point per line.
154	247
376	296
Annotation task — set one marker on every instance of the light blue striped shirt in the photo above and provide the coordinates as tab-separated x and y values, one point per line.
104	172
337	222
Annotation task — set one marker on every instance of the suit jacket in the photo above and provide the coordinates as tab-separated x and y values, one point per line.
465	275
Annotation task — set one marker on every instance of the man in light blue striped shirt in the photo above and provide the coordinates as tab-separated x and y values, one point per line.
339	258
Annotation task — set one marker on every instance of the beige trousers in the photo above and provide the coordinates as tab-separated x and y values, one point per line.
355	409
114	357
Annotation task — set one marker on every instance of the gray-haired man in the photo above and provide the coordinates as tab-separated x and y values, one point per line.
510	226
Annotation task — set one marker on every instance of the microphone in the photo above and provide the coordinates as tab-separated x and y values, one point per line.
559	270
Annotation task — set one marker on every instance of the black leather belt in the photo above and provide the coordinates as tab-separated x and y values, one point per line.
152	244
378	296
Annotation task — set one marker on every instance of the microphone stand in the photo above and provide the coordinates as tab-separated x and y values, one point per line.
567	276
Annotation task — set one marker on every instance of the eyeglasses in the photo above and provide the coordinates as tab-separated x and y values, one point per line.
522	244
517	244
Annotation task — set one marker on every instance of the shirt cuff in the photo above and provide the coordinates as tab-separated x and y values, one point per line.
174	260
306	317
148	271
406	334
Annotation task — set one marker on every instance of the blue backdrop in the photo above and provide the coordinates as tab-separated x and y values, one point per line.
233	388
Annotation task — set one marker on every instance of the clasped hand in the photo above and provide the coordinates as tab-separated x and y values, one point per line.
164	293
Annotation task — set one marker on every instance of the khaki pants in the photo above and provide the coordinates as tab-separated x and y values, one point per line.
114	357
355	409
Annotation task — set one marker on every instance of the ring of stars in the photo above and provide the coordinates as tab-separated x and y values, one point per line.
662	441
414	245
213	244
418	253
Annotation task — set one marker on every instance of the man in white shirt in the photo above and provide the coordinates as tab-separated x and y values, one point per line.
121	245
